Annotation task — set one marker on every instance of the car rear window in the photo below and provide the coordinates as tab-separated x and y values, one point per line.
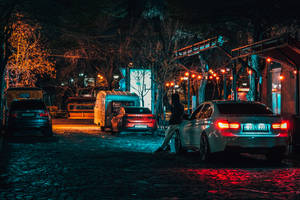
25	105
243	108
137	110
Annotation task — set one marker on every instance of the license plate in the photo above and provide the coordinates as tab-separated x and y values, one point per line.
140	126
261	127
28	114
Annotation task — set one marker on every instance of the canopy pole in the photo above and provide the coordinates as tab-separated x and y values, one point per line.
297	92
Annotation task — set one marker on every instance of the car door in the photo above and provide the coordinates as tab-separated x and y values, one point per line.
201	123
189	125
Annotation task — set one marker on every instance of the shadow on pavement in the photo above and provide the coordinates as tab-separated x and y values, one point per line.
226	160
31	139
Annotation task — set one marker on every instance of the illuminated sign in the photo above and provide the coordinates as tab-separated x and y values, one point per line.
140	83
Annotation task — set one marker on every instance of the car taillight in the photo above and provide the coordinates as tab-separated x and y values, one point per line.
44	114
224	125
284	125
234	125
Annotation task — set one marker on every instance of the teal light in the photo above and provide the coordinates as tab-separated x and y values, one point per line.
220	40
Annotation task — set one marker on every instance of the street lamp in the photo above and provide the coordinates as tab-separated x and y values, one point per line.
116	76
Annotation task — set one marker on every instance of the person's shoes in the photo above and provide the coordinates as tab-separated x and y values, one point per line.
168	149
159	150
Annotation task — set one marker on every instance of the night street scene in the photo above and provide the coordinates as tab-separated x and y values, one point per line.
149	99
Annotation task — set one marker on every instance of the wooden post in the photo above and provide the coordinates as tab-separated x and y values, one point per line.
297	92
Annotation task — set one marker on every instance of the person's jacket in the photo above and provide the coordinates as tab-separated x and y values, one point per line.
177	112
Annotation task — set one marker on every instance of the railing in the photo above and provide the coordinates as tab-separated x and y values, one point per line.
259	47
198	47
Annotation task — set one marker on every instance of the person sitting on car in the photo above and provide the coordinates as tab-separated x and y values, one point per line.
177	112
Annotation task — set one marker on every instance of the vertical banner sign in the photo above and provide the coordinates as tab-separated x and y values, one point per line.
140	83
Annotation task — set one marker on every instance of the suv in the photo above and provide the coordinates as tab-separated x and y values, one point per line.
29	114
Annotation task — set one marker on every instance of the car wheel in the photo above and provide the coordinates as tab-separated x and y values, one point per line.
102	128
275	156
204	148
178	145
153	132
48	132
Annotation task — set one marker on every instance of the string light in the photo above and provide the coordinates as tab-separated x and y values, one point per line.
281	77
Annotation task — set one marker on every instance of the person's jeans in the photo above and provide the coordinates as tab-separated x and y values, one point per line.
168	135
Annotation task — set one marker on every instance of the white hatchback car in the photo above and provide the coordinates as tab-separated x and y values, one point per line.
240	126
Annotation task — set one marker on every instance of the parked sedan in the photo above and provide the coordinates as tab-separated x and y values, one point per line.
29	114
240	126
134	118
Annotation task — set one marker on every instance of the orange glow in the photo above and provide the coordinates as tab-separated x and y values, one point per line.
281	77
193	75
168	84
243	89
186	74
215	75
218	78
295	72
211	71
231	78
181	78
172	84
99	76
211	77
268	60
199	77
249	72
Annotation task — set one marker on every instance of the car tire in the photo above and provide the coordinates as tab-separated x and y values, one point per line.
275	157
178	145
204	151
48	132
102	128
153	132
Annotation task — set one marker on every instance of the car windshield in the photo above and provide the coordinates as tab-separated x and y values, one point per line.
28	104
137	110
243	108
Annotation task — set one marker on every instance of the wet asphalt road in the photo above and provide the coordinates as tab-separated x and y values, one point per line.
80	162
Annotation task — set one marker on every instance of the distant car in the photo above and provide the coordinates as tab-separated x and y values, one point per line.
30	114
239	126
135	118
